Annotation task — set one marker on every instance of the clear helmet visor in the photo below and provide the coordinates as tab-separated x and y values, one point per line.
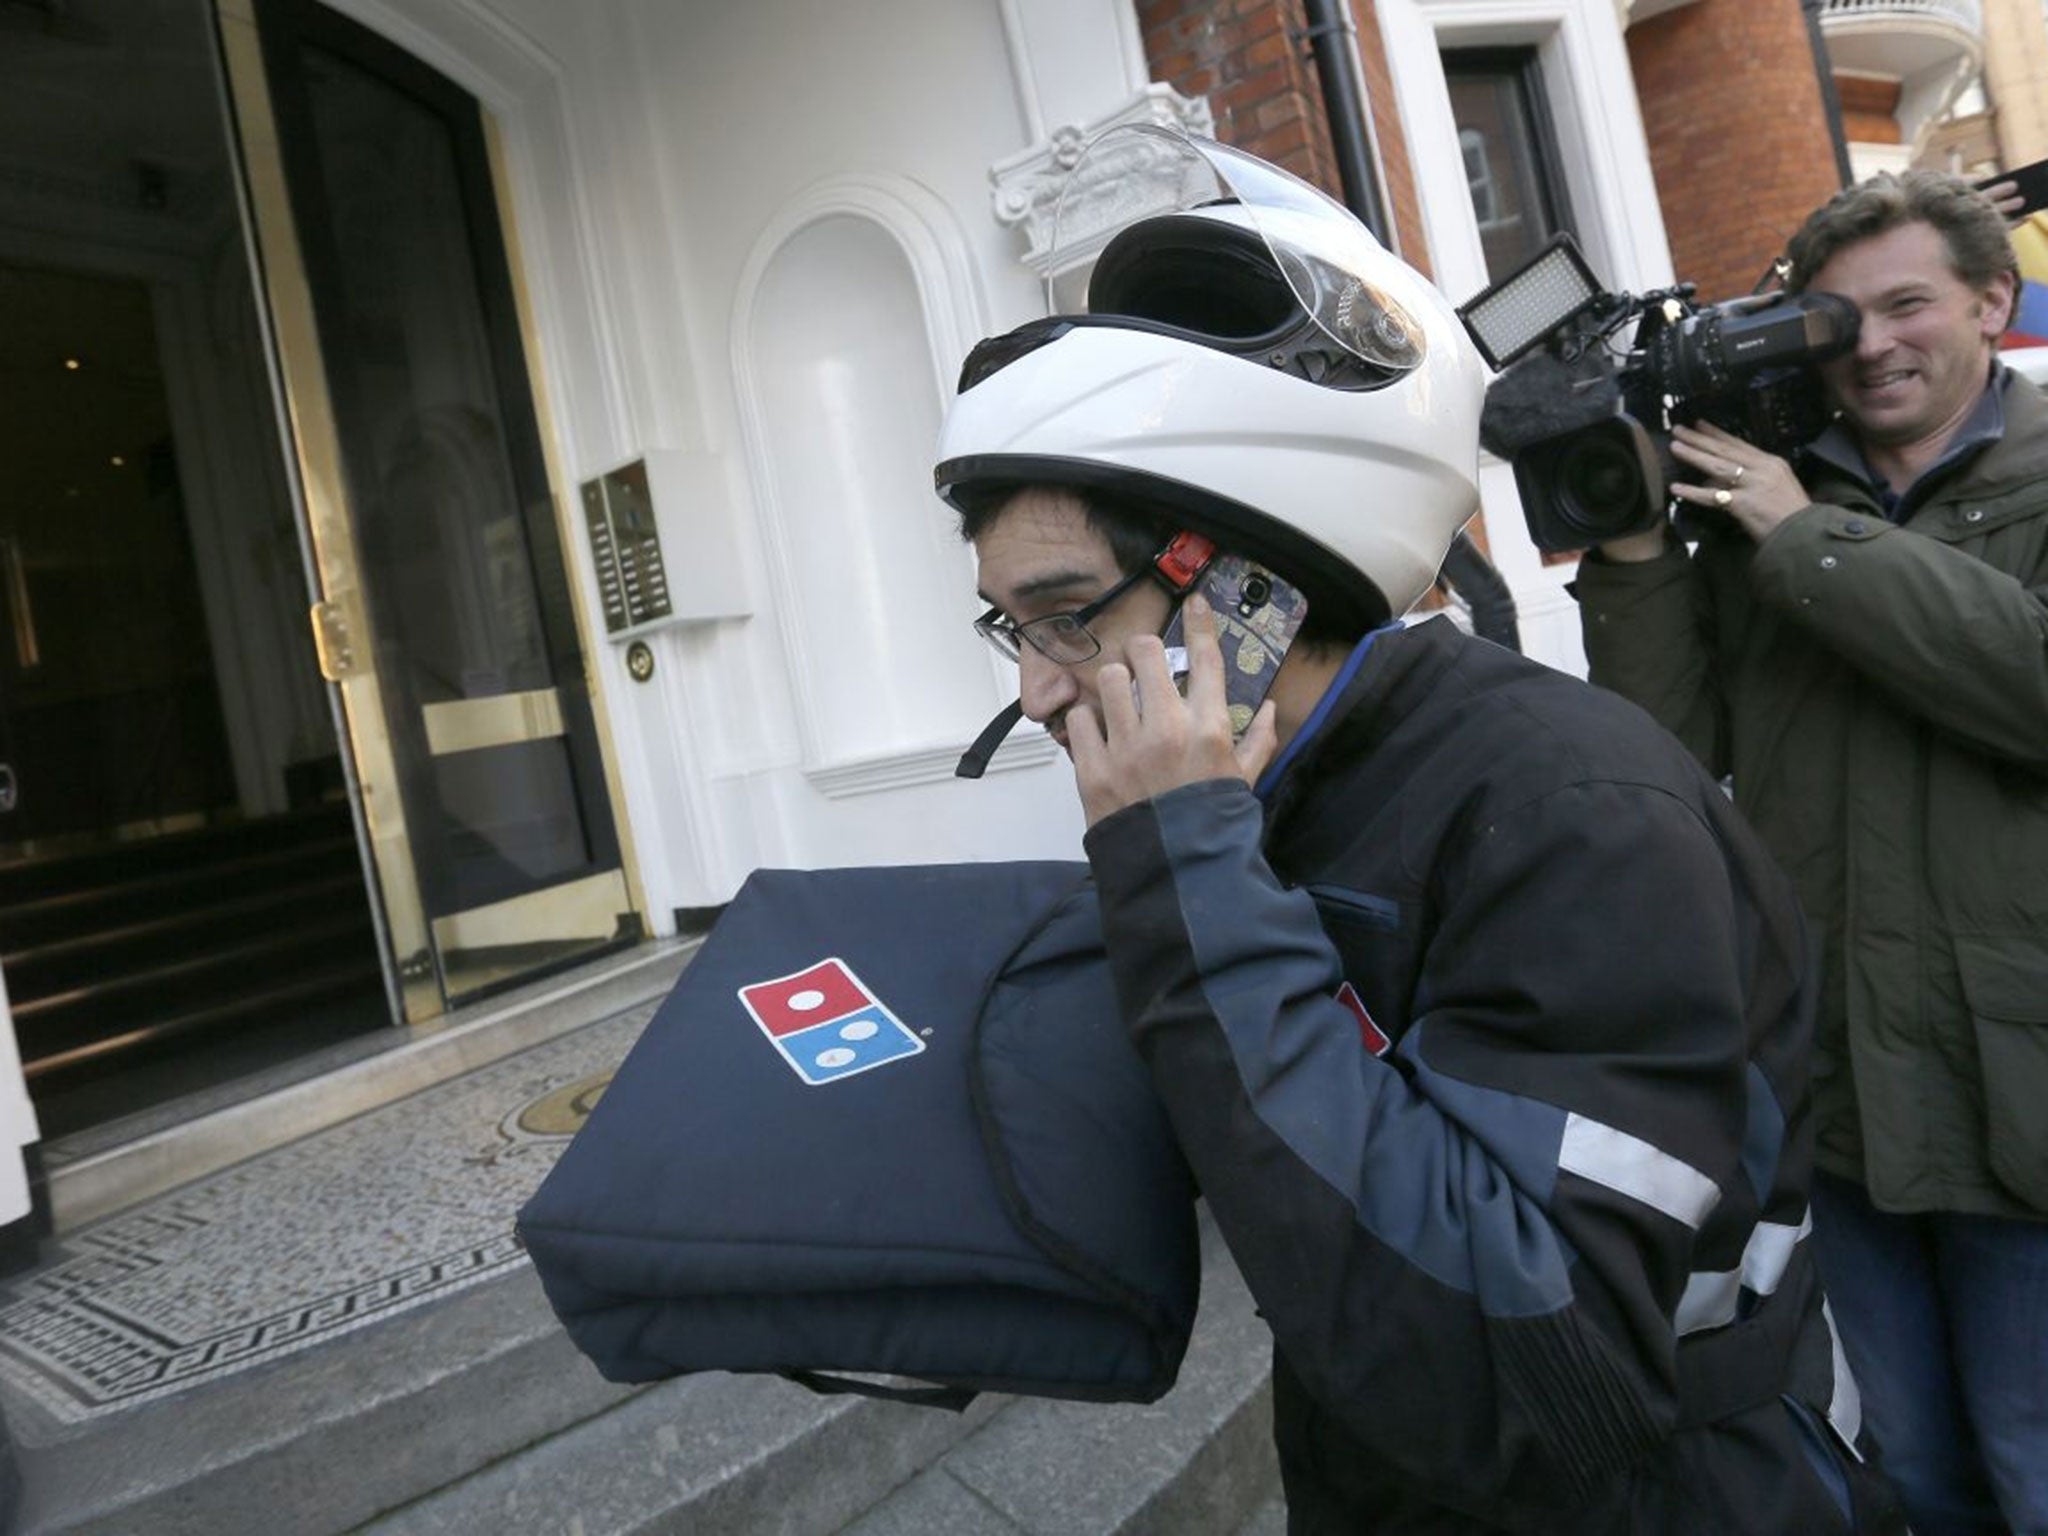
1343	279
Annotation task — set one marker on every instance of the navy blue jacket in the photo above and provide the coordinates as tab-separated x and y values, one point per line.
1487	1041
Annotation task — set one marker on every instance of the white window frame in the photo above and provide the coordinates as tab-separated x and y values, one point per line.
1589	88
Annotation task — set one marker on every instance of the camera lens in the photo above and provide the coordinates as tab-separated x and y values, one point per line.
1256	590
1599	488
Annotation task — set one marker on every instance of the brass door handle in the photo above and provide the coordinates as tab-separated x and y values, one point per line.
334	639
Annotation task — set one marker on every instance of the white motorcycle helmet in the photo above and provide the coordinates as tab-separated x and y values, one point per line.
1254	363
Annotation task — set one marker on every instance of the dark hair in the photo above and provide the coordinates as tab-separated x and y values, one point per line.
1971	228
1135	533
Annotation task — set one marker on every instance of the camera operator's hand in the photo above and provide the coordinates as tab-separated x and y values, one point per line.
1755	488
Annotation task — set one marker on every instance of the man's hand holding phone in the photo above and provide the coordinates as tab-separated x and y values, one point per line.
1148	738
2018	193
1257	617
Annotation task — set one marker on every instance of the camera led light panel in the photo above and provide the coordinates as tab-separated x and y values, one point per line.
1521	309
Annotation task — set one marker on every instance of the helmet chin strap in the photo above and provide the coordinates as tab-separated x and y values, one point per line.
974	761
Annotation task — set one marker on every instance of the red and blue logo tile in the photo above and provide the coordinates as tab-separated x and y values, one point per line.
827	1024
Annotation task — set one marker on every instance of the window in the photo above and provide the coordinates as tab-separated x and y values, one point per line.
1479	176
1510	152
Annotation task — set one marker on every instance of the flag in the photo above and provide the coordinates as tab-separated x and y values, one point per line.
2030	318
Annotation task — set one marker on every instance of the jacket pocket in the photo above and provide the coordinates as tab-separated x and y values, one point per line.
2005	984
1345	905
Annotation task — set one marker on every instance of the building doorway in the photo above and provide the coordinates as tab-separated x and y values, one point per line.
230	838
446	612
181	897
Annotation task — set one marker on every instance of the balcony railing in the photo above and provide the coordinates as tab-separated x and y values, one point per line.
1968	15
1931	48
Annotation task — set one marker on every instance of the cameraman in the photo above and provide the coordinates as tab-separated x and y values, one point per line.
1863	643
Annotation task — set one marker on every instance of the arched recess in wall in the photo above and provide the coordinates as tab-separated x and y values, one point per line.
851	319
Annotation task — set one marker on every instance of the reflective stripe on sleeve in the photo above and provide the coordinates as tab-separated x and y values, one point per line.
1713	1297
1845	1411
1631	1166
1710	1300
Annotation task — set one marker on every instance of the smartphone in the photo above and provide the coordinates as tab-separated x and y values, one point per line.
2032	182
1257	617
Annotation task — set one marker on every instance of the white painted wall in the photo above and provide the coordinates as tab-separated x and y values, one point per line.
702	192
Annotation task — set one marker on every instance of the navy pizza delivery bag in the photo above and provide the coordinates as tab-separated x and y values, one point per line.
888	1121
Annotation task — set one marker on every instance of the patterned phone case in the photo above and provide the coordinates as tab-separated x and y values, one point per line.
1257	618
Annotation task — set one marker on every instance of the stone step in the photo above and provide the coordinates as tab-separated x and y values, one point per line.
333	1327
319	1442
1198	1460
701	1454
1269	1519
737	1456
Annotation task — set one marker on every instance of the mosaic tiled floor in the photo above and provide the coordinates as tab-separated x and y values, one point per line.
397	1207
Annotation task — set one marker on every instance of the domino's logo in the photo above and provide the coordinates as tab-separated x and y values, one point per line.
827	1024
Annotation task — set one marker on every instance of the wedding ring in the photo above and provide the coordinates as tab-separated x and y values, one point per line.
1735	474
1723	497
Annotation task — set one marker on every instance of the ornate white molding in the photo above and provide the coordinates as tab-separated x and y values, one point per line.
1029	186
927	765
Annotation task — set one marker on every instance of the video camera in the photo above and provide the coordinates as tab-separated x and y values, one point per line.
1586	418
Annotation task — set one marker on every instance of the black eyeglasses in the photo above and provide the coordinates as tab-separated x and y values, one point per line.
1060	637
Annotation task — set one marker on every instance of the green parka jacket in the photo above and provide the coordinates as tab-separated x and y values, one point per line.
1880	695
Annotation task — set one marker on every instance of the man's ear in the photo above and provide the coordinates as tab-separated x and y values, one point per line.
1997	302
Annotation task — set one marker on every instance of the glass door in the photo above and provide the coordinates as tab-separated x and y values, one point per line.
447	618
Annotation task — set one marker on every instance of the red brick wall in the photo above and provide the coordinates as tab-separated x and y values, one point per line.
1242	56
1247	58
1738	134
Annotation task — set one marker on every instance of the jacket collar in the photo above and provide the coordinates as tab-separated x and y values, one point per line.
2022	453
1365	705
2017	454
1985	424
